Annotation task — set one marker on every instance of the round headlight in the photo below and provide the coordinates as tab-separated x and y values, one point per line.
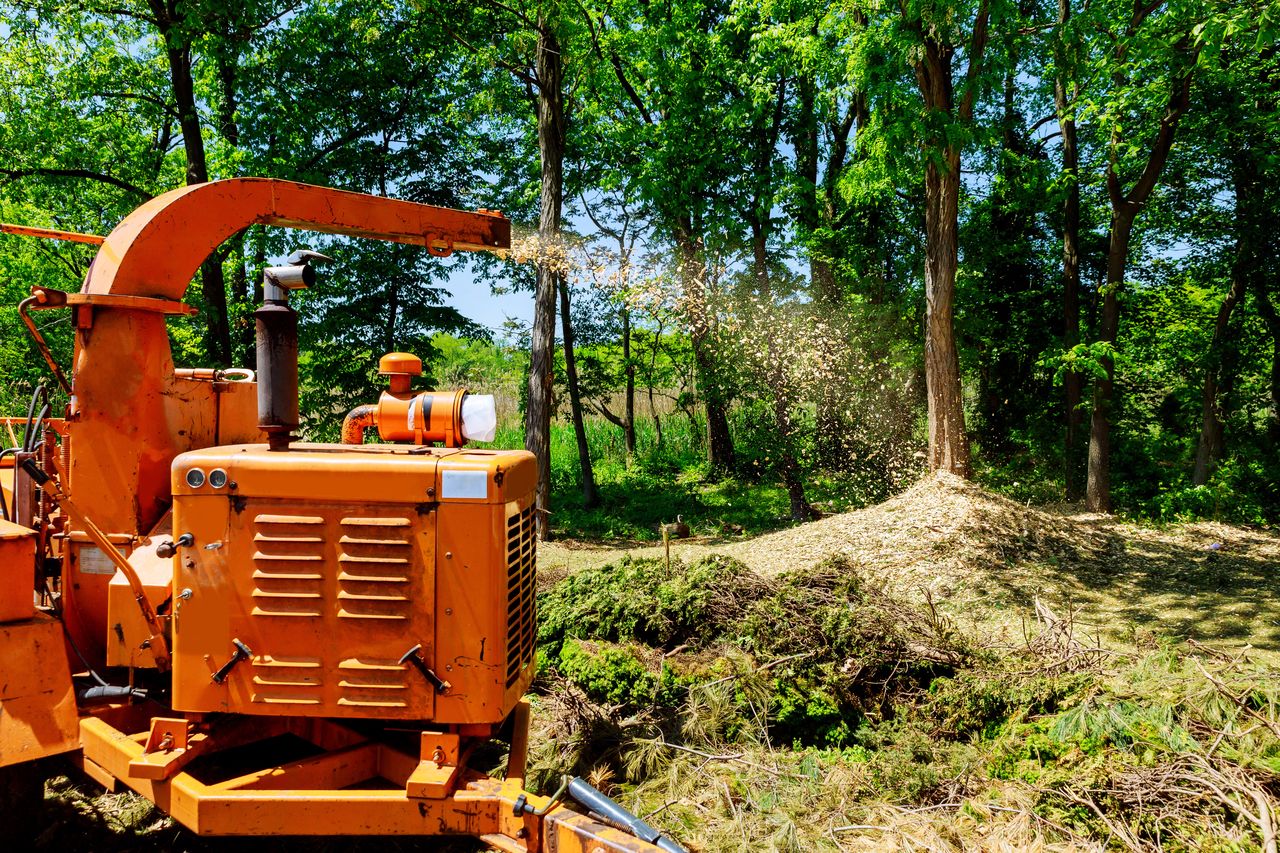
195	478
217	478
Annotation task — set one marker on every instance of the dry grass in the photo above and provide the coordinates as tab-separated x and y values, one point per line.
984	559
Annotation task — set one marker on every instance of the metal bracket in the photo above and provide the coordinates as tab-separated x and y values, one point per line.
170	746
434	776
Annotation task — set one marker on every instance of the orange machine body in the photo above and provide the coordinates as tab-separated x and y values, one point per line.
37	704
373	602
131	413
330	562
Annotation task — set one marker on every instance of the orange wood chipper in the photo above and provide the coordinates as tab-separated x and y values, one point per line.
264	636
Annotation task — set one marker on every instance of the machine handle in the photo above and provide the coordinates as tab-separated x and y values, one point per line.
414	656
168	549
242	652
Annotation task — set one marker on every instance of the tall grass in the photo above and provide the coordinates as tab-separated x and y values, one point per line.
665	479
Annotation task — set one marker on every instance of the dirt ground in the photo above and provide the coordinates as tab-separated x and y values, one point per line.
984	559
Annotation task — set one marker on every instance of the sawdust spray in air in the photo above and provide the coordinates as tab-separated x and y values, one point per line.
844	370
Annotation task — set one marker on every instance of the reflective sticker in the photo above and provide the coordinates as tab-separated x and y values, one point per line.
93	561
464	484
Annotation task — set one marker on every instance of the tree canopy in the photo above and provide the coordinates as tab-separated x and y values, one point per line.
1029	242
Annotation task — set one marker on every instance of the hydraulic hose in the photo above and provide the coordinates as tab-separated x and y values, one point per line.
29	433
104	693
614	812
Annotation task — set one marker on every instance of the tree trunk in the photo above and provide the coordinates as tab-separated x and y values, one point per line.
693	278
1209	450
629	403
590	495
1097	496
247	333
1073	382
948	440
241	292
1271	317
551	139
1124	209
1006	383
653	370
178	51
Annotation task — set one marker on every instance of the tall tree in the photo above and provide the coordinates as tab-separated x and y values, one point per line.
1006	293
933	36
669	99
1239	118
531	43
176	22
1065	91
548	76
1126	203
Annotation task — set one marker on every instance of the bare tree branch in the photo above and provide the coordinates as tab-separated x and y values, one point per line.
87	174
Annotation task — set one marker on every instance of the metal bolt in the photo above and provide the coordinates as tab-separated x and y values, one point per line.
448	611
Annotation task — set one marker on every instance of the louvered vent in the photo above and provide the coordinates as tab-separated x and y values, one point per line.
372	683
288	565
287	681
374	559
520	593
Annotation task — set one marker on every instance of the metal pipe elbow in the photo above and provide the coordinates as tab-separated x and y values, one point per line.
357	421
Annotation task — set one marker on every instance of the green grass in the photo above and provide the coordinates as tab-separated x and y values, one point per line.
663	481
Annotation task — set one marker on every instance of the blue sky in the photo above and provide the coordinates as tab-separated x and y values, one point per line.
474	299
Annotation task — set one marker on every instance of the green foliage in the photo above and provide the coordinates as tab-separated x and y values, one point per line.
610	675
645	600
824	653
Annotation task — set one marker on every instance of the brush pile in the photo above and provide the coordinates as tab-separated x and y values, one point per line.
821	710
983	560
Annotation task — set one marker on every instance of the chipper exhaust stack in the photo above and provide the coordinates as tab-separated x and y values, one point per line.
351	619
276	341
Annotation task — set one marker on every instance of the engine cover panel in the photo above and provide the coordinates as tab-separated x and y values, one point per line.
329	563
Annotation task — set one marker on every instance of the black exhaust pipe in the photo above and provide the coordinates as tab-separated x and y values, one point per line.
276	333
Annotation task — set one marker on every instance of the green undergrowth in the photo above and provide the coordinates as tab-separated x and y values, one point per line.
815	712
666	479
